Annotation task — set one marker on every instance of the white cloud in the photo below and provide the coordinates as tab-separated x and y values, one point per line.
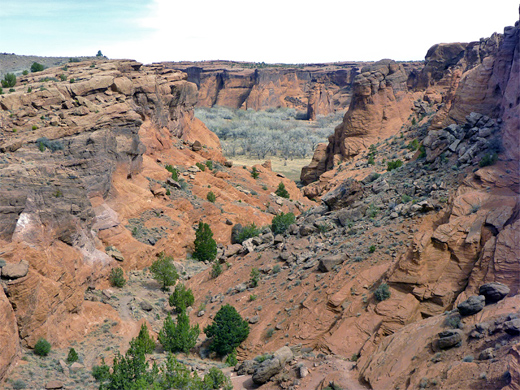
296	31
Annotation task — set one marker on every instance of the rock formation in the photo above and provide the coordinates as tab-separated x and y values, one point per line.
316	89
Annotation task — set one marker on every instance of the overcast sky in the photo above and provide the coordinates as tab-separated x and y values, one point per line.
266	30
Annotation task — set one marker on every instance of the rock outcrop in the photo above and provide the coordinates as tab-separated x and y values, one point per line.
316	89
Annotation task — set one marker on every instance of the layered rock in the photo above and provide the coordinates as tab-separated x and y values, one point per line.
62	145
317	89
380	104
456	79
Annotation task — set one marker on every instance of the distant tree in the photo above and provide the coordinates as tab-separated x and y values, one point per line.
255	277
25	72
99	54
9	80
144	341
205	245
382	292
117	277
228	330
181	298
180	336
164	271
255	173
42	347
36	67
281	222
281	191
211	197
72	356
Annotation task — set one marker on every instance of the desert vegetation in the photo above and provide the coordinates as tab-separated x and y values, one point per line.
280	132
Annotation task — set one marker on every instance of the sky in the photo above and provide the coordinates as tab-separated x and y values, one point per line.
272	31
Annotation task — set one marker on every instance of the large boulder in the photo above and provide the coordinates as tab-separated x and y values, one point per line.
343	195
269	368
15	271
327	263
449	339
472	305
494	292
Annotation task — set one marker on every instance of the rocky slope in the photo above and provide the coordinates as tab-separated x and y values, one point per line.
15	63
456	79
82	171
317	89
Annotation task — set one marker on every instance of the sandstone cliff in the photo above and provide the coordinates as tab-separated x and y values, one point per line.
316	89
456	79
83	153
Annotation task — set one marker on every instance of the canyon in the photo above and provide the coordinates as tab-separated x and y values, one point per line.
84	188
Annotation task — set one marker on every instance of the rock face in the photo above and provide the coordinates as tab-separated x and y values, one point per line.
458	78
60	148
494	292
316	89
380	105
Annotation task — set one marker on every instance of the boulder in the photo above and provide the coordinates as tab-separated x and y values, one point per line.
305	230
449	339
232	250
75	367
248	246
488	353
494	292
146	306
54	385
343	195
512	327
266	370
247	367
380	186
196	146
115	254
15	271
327	263
346	216
472	305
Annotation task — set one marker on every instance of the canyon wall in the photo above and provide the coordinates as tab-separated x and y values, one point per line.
316	89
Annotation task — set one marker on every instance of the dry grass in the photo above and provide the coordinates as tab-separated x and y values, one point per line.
290	168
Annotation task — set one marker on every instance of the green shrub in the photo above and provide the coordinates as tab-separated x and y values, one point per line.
382	292
281	191
164	271
227	331
25	72
173	171
144	341
231	358
72	356
263	358
422	151
252	297
239	234
29	89
209	164
488	159
216	270
19	384
1	91
181	298
371	160
201	166
73	59
102	372
72	80
216	379
453	321
211	197
281	222
36	67
255	173
34	127
205	245
372	248
53	146
63	77
255	277
414	121
405	198
117	277
180	336
42	347
9	80
276	269
413	145
99	54
391	165
372	211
